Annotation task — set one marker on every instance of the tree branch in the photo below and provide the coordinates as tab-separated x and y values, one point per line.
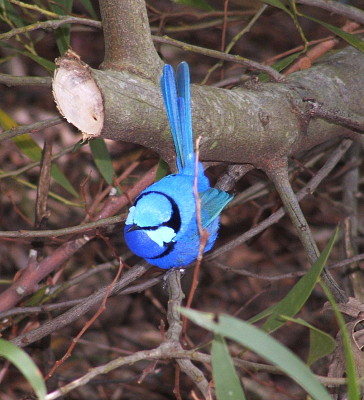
31	128
128	42
244	125
31	276
336	7
11	80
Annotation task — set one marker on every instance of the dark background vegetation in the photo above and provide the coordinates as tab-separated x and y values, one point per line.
137	321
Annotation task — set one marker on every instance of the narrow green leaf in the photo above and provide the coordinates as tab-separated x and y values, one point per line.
62	180
31	149
63	33
48	65
89	7
292	303
353	40
293	15
28	146
265	346
102	159
280	5
162	170
227	383
9	10
26	366
351	374
286	61
280	65
321	343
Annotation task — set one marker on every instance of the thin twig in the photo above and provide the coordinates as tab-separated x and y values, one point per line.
11	80
99	311
30	128
27	282
234	40
50	24
337	7
34	8
222	56
290	275
337	116
41	213
74	313
174	332
203	234
166	352
279	176
309	188
317	51
351	222
52	233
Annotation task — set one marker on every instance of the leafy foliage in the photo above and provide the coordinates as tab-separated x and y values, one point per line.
25	364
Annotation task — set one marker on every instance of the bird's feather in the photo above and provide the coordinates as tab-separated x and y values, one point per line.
212	203
169	93
177	100
183	91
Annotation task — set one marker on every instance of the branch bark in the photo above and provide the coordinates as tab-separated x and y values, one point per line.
128	42
336	7
257	124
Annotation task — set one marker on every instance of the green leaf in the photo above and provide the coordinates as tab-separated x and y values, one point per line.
162	170
348	37
227	383
89	7
63	33
353	382
293	15
62	180
8	9
48	65
30	148
102	159
202	4
264	345
292	303
281	65
280	5
26	366
321	343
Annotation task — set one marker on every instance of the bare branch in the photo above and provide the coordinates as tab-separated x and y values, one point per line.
336	7
11	80
50	24
253	65
27	282
309	188
31	128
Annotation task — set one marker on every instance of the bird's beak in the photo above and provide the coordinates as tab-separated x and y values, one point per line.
133	227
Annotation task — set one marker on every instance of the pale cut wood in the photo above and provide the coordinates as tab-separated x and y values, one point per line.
77	95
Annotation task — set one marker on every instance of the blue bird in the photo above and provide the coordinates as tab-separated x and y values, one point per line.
161	226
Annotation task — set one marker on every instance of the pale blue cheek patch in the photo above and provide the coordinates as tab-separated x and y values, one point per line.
130	217
162	235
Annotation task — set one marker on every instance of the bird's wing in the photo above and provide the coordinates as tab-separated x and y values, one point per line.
178	105
212	203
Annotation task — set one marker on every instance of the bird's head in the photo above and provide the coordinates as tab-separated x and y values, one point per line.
152	224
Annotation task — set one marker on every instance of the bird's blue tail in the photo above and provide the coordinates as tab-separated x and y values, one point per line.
177	100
